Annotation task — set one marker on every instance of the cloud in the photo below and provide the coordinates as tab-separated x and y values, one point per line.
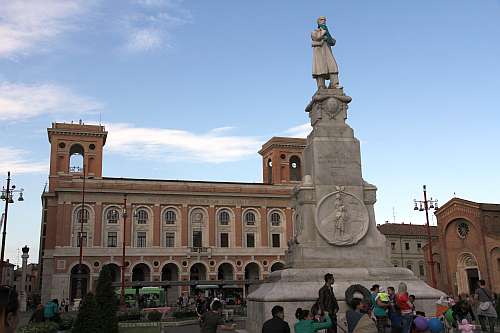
300	131
15	160
215	146
149	26
144	40
20	101
26	25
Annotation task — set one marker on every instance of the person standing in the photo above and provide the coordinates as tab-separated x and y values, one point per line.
276	324
486	310
9	310
211	320
405	308
328	302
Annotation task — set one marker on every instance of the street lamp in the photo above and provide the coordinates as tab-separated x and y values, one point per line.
124	214
421	206
7	195
82	217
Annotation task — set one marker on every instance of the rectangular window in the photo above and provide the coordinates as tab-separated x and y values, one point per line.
197	238
393	245
224	239
170	239
83	239
276	240
141	239
112	239
250	240
421	270
419	246
407	246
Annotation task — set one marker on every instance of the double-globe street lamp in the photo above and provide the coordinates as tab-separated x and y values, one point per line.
425	205
7	195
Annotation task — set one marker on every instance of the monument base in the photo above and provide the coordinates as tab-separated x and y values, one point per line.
292	288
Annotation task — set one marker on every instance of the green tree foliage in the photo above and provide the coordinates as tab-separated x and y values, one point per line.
87	318
107	302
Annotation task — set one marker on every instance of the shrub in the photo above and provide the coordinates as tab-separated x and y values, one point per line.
129	315
66	323
107	303
47	327
154	316
87	318
184	314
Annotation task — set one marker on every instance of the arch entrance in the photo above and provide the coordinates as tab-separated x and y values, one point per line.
468	274
77	275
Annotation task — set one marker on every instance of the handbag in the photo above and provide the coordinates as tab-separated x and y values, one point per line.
484	306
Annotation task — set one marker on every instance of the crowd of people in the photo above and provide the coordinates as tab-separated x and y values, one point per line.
386	311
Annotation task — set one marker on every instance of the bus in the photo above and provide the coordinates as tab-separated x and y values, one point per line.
148	297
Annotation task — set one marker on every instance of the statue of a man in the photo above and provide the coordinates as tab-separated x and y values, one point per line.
324	64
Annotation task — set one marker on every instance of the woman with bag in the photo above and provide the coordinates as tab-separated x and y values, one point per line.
486	309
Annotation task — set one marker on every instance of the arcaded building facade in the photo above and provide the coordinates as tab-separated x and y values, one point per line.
468	246
174	230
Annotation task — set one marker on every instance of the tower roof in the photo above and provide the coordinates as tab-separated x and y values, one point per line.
79	129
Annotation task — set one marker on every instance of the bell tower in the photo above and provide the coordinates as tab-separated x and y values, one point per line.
75	149
282	160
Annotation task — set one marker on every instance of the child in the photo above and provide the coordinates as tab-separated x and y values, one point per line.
465	327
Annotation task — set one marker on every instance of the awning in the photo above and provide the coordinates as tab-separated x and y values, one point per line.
207	286
232	286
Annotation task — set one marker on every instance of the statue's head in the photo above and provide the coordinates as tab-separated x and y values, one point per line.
321	20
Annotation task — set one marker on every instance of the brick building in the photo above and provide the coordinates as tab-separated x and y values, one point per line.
407	243
468	246
175	230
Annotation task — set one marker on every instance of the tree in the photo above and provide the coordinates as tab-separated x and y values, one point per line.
107	304
87	318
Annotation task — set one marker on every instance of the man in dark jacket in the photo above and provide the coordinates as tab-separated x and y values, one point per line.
328	302
276	324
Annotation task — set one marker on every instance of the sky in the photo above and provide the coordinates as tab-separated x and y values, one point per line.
191	90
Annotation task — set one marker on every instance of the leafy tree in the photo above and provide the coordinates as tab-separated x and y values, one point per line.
107	302
87	318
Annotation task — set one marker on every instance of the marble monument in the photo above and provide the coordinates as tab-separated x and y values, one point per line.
334	223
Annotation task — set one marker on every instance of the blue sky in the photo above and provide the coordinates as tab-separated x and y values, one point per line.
191	89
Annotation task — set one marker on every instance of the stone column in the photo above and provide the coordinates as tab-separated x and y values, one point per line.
22	292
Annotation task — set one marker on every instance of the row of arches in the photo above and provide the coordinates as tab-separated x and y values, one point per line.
171	272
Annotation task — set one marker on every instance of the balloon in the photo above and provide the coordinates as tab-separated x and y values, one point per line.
448	315
436	325
420	323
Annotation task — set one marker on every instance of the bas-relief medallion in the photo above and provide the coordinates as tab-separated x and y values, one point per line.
342	218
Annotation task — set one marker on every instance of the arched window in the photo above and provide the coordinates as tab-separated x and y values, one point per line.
269	171
112	216
250	218
142	216
170	216
82	216
275	219
76	158
224	218
295	170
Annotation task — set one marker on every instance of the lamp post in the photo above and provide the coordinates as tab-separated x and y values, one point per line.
124	214
83	216
8	196
424	206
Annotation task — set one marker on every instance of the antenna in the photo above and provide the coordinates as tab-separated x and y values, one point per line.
100	116
393	215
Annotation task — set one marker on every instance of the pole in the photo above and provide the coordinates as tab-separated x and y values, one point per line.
4	233
431	260
80	237
122	294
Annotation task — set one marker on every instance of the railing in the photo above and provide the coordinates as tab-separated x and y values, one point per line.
201	250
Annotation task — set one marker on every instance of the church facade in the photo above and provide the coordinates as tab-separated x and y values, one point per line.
174	230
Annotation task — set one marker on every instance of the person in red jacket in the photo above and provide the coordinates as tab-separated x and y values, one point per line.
405	307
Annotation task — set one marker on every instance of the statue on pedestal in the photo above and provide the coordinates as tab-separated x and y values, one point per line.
324	64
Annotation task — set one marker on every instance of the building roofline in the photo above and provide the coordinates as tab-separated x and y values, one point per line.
193	181
283	142
457	200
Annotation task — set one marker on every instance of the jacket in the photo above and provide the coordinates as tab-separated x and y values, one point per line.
311	326
327	300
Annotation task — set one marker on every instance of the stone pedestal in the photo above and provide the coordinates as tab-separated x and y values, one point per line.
335	229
